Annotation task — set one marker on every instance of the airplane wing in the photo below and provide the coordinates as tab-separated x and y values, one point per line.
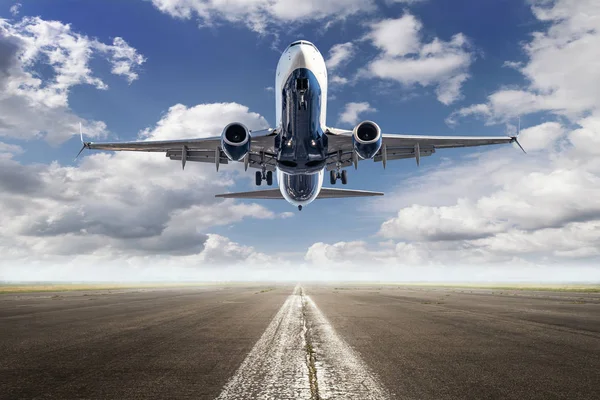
395	147
198	150
275	194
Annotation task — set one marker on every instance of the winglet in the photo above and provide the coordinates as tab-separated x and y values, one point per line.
515	138
85	145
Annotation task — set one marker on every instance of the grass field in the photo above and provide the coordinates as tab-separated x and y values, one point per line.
64	287
6	287
554	287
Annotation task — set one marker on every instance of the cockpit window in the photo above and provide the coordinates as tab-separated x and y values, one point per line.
303	42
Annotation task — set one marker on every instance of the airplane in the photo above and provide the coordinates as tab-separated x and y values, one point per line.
301	147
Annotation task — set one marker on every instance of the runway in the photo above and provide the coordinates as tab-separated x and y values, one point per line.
306	341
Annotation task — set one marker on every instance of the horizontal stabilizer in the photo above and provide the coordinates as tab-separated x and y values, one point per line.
331	193
271	194
275	194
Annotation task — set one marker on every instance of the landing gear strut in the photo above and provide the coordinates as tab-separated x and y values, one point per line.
335	175
264	176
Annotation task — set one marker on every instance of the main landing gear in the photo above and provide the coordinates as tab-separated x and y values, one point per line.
335	175
264	176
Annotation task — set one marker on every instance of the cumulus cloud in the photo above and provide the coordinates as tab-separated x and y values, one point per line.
337	80
339	54
15	8
562	63
500	214
10	148
123	207
35	105
203	120
262	15
217	259
407	59
498	208
352	112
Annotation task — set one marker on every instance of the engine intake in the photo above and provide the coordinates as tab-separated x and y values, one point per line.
235	141
366	139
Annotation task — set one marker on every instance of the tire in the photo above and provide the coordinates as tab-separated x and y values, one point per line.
332	177
269	178
258	178
344	177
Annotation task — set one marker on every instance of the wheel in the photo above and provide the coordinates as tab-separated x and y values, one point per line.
344	177
269	178
258	178
332	177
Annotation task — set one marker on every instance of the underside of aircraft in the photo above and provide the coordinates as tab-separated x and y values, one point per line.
301	149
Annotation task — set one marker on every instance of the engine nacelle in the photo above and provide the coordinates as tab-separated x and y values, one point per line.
235	141
366	139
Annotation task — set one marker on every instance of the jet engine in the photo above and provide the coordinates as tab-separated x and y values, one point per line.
235	141
366	139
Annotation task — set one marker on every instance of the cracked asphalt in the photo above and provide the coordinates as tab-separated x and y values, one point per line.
408	342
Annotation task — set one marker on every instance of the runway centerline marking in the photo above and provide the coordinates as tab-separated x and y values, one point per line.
300	356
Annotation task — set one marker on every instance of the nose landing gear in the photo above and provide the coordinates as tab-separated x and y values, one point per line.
335	175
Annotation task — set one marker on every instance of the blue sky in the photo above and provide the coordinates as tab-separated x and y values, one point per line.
196	53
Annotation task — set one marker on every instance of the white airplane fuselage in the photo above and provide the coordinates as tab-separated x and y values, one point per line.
301	108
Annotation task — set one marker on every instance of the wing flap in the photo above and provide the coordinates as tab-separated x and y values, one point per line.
156	145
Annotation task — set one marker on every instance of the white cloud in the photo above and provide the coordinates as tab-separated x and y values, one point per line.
217	259
405	58
34	105
203	120
503	208
397	37
123	207
493	215
541	136
10	148
15	8
123	58
339	54
338	80
563	61
262	15
352	112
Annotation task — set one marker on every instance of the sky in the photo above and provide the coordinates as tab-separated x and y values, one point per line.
171	69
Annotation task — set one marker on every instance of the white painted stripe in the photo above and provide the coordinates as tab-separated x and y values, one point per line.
277	367
341	373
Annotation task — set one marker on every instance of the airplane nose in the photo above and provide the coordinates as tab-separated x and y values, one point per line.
300	58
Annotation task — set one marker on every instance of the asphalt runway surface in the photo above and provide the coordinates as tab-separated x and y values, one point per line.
307	341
